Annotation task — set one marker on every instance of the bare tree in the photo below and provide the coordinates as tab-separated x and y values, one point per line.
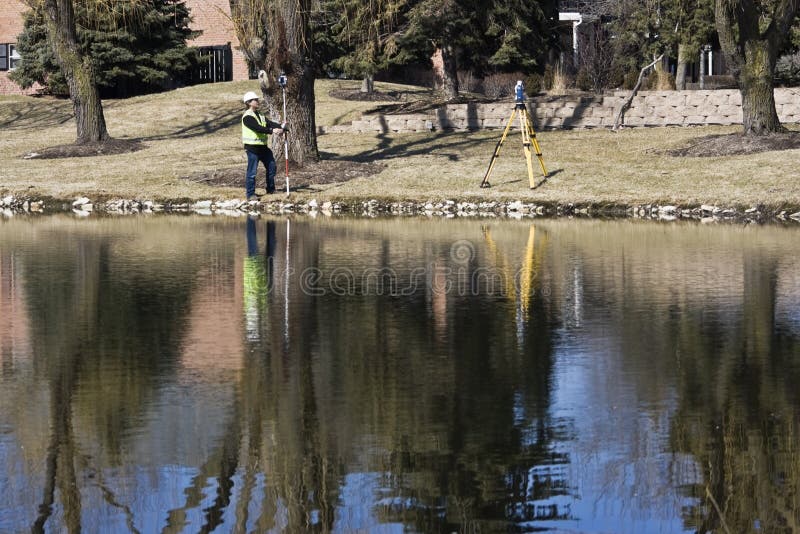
596	56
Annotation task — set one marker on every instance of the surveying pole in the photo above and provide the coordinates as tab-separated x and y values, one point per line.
528	139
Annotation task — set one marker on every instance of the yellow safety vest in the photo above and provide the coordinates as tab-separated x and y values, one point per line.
249	137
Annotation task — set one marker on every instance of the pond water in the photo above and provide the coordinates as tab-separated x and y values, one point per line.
197	374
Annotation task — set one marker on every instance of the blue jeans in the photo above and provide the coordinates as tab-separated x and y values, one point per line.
268	160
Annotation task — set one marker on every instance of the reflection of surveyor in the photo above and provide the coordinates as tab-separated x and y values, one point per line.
255	138
258	272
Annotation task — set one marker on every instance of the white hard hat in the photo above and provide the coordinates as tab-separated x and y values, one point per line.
248	96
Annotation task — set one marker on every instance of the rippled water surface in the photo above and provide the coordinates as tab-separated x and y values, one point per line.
191	374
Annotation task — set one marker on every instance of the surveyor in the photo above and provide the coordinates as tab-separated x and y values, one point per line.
255	138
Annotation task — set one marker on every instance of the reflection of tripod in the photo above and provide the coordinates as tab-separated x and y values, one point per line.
528	139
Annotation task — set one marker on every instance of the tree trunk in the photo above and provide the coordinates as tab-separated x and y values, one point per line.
683	62
759	116
752	54
289	52
449	72
78	70
368	84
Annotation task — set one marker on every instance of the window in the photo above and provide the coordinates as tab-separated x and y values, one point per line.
9	57
13	57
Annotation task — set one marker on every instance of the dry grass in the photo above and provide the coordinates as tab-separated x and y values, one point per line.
196	129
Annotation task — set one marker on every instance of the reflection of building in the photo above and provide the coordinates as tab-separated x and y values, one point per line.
14	338
218	46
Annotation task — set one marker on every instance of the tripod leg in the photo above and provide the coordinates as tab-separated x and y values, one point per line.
536	147
485	181
526	145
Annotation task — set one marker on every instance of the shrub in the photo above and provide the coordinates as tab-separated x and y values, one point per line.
629	81
561	80
534	83
787	70
583	80
547	77
500	84
467	81
617	77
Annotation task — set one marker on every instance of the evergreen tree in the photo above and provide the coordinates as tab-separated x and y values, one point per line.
135	48
519	33
692	25
367	34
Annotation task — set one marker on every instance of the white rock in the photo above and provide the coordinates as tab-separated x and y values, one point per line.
229	204
751	210
667	210
312	204
795	216
327	205
708	208
86	207
7	201
80	202
202	205
37	206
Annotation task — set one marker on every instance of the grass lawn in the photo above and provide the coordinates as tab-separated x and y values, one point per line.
196	129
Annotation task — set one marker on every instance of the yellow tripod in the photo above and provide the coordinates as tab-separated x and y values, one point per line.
528	139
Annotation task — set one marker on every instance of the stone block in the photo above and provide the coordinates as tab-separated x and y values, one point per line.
566	111
494	123
728	109
695	119
612	101
660	111
550	123
674	119
717	98
634	120
653	100
676	99
696	98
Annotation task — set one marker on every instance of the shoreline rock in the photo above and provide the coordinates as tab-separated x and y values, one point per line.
514	209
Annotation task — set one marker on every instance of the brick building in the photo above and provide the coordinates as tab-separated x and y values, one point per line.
221	59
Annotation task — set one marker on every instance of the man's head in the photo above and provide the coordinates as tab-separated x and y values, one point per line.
250	99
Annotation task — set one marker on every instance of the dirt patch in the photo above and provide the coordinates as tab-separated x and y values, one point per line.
300	178
375	96
737	144
107	148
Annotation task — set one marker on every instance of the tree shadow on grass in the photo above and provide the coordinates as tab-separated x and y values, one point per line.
222	119
390	147
24	115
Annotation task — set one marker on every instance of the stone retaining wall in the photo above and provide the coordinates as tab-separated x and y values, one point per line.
649	108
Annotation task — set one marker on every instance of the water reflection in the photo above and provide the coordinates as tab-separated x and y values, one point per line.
192	374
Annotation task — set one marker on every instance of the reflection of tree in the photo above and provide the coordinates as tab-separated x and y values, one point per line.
462	422
107	331
737	415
